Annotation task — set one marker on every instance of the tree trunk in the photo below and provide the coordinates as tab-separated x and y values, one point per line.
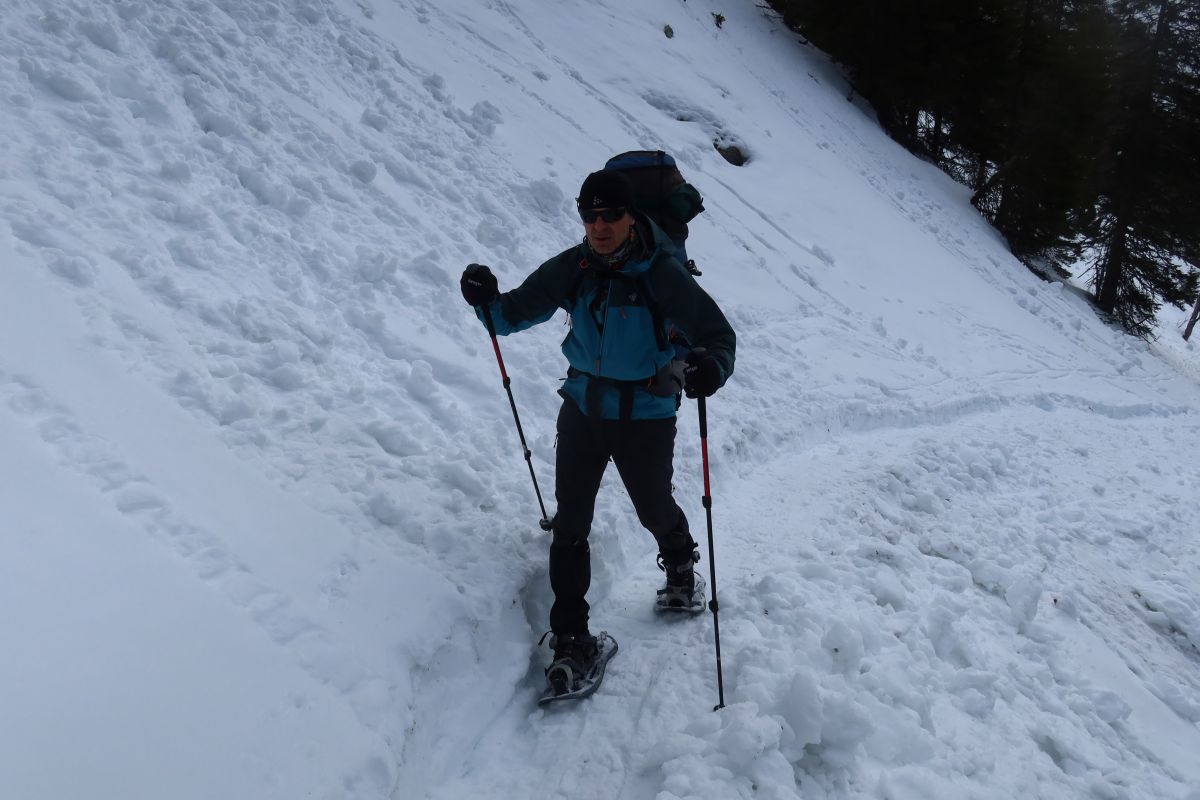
1187	332
982	186
936	142
980	179
1113	268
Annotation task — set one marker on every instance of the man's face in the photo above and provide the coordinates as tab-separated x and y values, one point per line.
604	236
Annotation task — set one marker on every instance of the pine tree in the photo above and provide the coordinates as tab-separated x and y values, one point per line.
971	88
889	49
1041	192
1077	122
1148	235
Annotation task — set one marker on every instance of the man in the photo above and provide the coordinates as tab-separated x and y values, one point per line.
624	292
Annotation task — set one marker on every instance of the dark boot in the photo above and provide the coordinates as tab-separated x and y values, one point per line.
680	589
574	657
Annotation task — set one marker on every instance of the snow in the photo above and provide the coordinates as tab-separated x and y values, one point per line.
266	529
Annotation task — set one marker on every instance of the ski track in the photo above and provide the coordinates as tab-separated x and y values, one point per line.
310	645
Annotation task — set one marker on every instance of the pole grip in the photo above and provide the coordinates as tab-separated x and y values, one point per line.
487	320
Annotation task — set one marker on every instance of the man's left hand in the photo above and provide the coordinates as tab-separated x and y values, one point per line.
702	376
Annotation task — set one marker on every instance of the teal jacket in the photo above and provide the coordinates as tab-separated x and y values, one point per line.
613	319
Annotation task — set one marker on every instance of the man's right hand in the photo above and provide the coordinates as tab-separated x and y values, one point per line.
478	285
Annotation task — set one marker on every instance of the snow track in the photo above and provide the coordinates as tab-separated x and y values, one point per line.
890	590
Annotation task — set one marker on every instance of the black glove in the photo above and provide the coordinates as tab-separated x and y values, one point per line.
478	285
702	375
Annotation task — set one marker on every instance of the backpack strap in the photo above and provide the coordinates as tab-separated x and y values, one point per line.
660	335
643	288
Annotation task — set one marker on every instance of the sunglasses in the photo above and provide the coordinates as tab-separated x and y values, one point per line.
607	214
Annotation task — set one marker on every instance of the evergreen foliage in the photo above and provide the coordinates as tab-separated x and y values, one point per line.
1075	122
1149	212
1041	186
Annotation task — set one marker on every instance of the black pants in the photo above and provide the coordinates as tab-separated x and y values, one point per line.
643	451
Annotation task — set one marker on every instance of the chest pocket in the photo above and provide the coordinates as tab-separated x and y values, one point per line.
626	297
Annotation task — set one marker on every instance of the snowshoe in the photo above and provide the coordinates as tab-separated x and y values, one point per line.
674	599
578	666
684	590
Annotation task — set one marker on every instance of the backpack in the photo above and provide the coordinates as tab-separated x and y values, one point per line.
661	193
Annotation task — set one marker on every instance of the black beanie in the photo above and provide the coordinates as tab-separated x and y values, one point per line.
605	189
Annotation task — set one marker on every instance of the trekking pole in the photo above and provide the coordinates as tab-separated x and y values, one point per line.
544	522
712	562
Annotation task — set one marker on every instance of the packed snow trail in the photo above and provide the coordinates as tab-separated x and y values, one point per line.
894	590
266	531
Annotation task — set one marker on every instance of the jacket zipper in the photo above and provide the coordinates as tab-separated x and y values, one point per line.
604	329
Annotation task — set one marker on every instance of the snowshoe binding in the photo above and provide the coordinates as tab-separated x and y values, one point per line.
578	666
684	590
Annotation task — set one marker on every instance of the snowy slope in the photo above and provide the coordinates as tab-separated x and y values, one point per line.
264	523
